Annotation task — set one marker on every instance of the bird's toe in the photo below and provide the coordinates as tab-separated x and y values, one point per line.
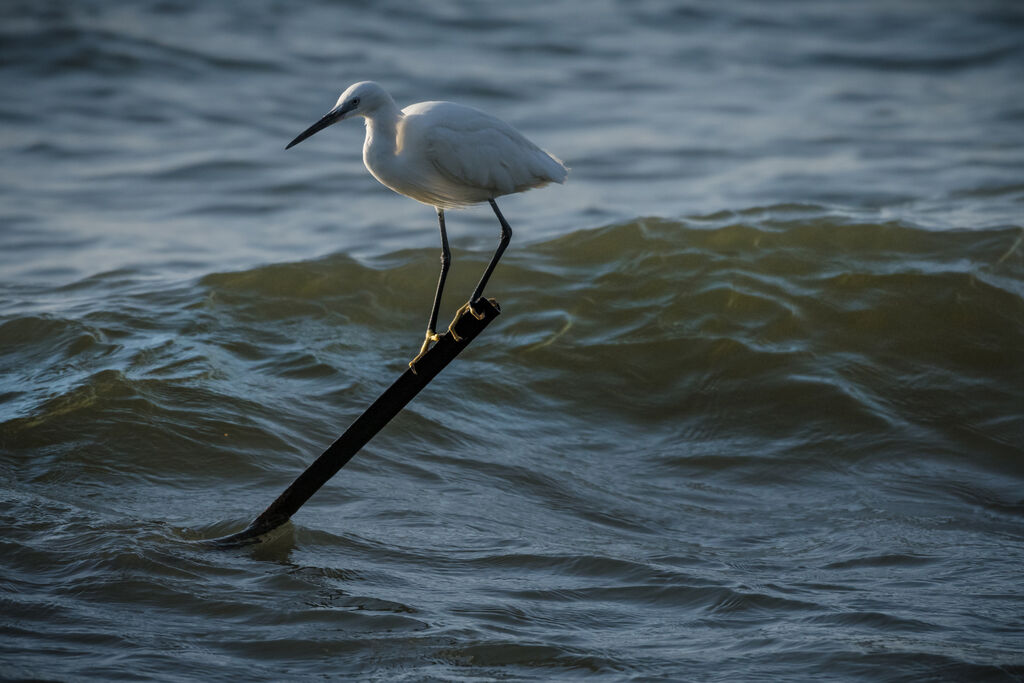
430	338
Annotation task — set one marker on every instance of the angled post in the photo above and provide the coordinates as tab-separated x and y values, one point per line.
468	323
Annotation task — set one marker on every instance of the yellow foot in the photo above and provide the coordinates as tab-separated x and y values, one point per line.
466	307
430	338
433	336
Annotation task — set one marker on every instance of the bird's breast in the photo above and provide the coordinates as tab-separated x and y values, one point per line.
408	171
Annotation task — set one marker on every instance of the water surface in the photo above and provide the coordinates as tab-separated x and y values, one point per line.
753	409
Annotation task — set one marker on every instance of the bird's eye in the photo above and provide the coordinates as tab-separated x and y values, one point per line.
355	101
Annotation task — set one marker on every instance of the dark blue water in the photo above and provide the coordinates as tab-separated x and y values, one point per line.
754	408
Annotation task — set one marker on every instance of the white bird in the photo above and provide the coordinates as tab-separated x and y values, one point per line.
445	155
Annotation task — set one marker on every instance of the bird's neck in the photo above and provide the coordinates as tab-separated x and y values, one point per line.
382	133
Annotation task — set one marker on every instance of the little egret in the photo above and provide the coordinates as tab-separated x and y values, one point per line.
445	155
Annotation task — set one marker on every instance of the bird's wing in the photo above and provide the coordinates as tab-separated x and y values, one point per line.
471	148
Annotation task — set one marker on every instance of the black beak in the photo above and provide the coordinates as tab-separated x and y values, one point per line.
331	117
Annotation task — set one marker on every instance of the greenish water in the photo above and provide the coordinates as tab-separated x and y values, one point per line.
797	429
753	410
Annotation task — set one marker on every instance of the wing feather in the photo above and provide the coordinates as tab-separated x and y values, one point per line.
478	154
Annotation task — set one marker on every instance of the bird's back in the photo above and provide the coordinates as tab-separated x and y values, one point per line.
465	156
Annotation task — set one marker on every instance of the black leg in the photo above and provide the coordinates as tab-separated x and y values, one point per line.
446	260
506	236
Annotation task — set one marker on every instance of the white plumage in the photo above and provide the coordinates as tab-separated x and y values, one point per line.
443	154
461	156
446	155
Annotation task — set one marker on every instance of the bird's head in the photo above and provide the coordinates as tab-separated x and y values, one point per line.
359	99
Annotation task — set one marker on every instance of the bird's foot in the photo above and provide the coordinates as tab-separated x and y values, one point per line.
466	308
427	341
433	336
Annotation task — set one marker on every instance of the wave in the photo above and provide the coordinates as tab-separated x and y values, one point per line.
787	319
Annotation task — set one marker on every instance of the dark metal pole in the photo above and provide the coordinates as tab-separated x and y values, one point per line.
468	324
